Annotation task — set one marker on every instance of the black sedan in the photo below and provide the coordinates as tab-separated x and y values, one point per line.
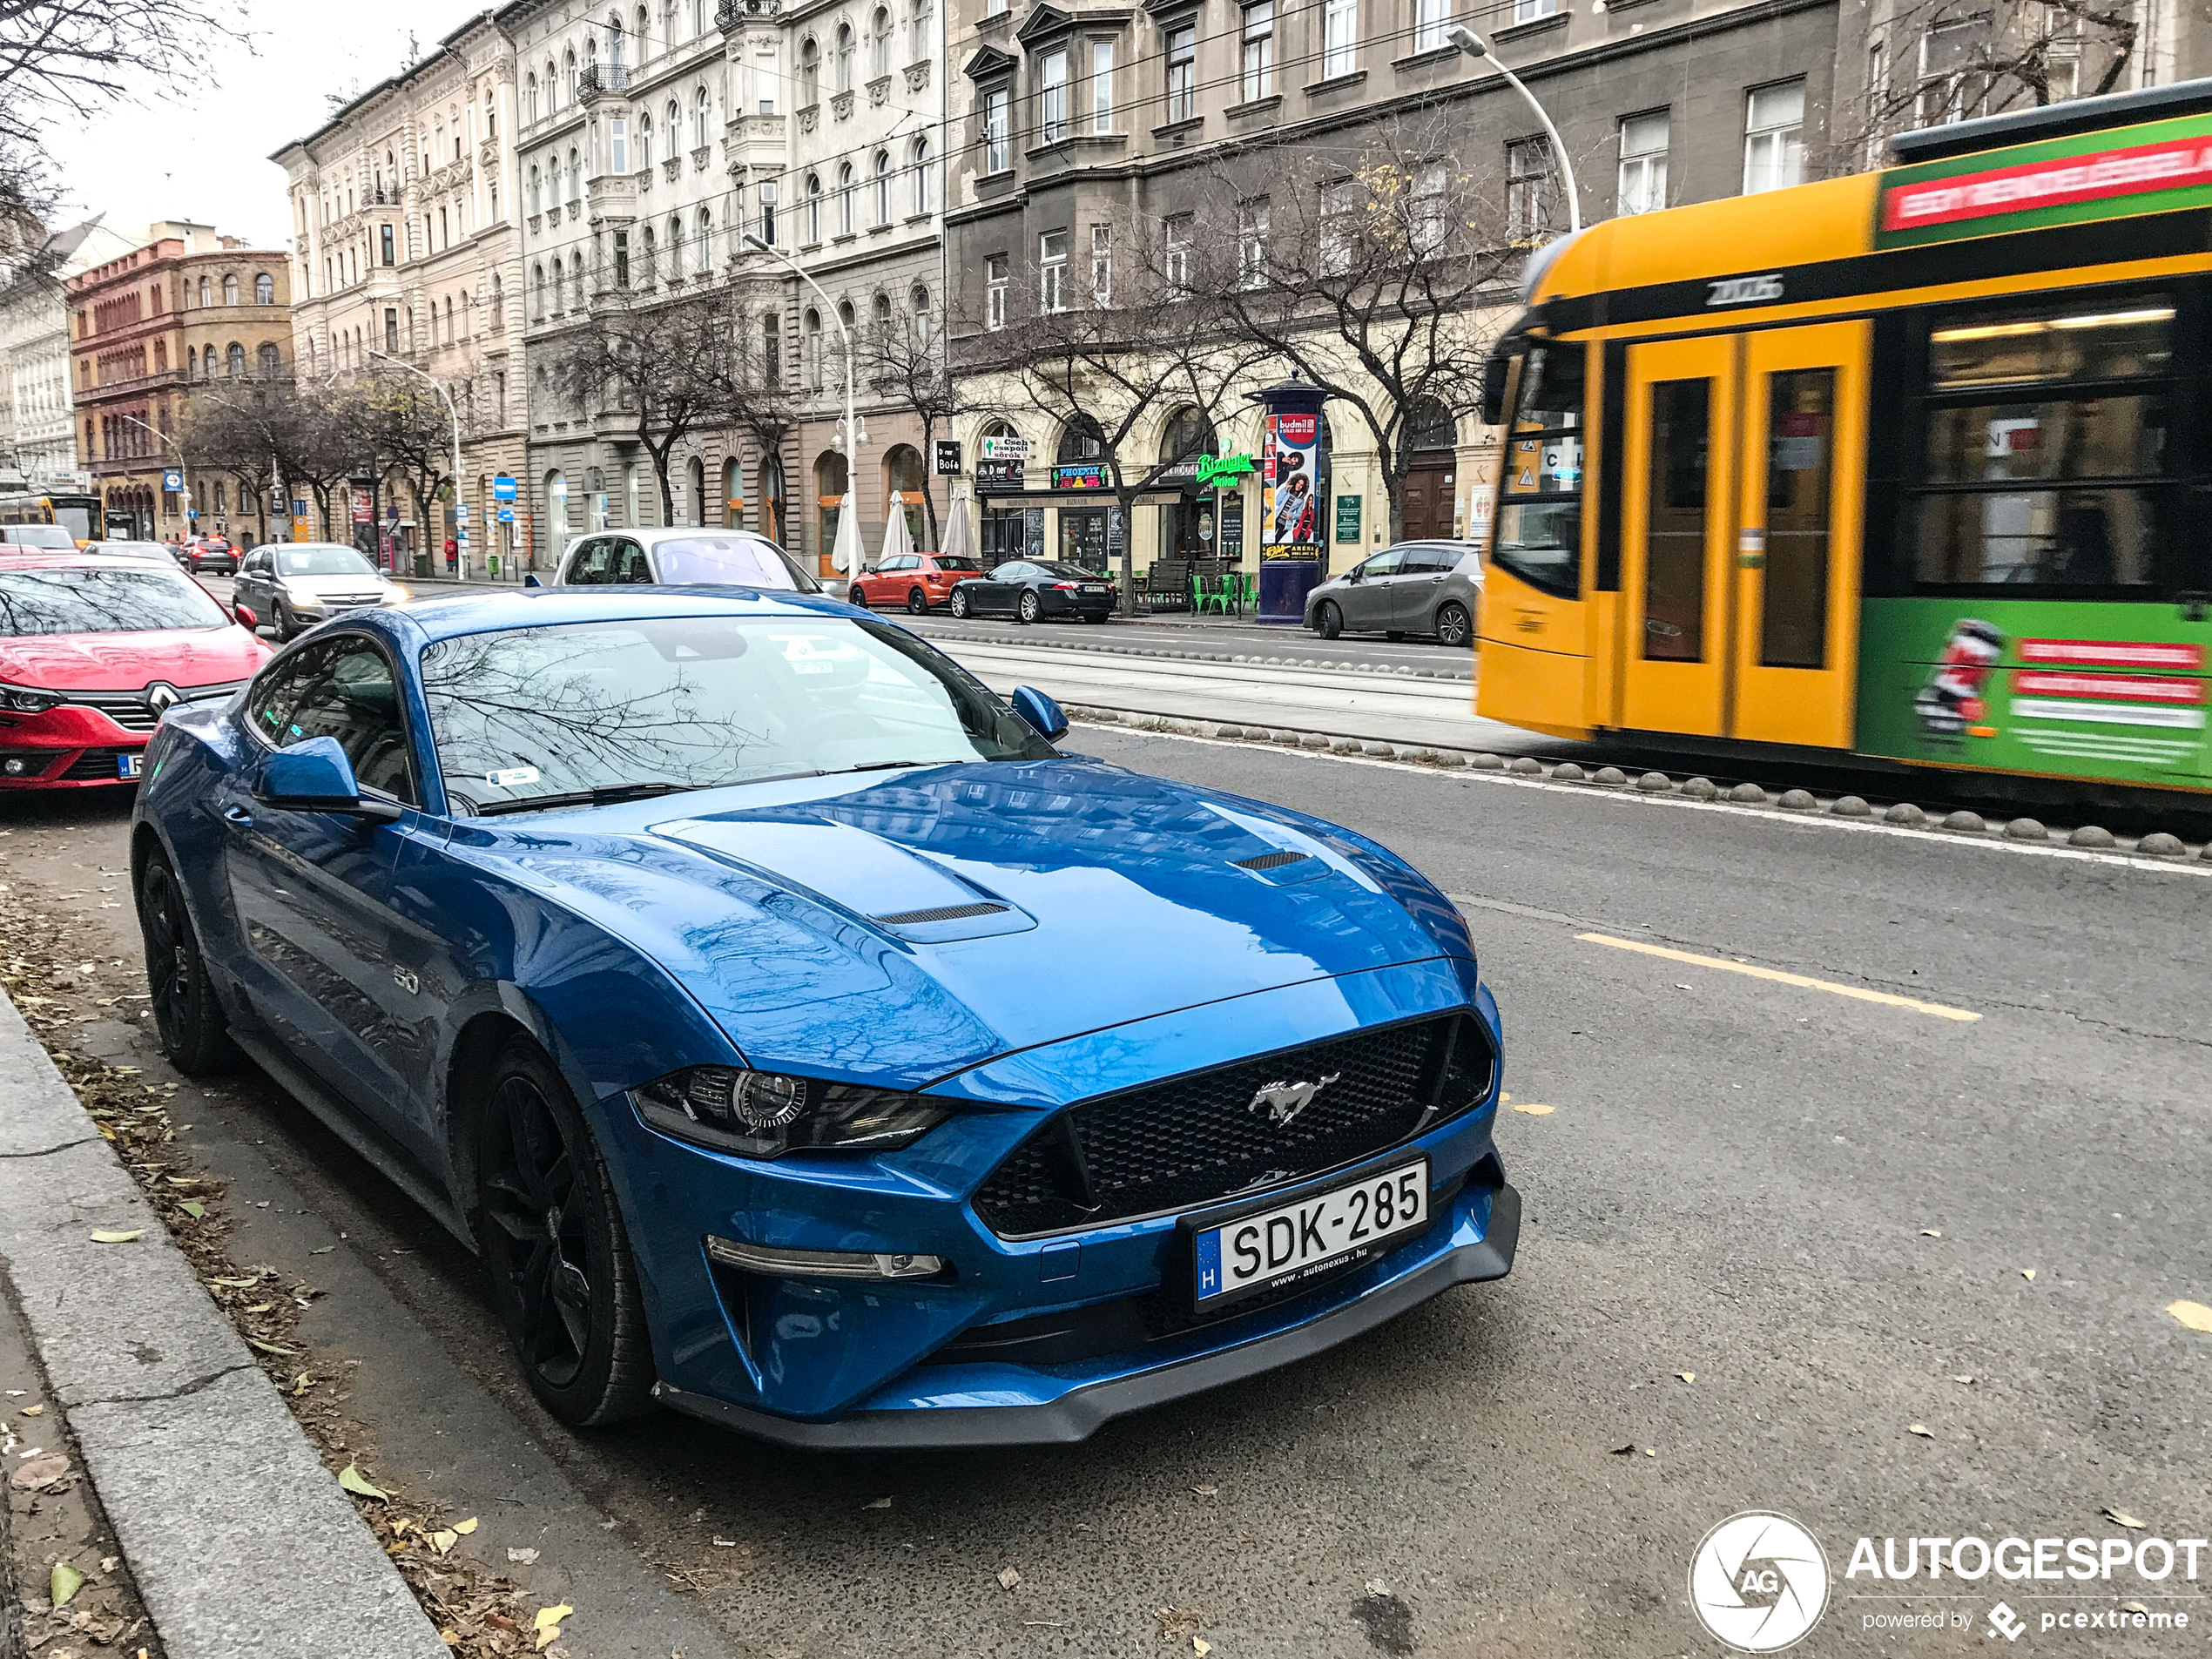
1031	591
207	556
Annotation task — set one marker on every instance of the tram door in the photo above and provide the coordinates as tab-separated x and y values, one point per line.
1743	475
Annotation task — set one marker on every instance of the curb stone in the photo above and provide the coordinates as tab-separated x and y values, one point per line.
239	1540
1405	671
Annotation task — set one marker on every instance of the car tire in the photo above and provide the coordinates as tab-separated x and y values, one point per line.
189	1022
287	625
555	1249
1328	621
960	605
917	603
1454	626
1030	608
856	595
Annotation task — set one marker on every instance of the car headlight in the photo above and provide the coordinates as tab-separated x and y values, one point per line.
395	594
765	1113
26	699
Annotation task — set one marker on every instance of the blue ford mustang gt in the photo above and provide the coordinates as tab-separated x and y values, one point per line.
804	1041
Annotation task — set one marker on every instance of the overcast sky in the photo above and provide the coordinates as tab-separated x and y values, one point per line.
201	152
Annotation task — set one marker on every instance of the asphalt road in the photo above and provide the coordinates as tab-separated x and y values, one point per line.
1740	1178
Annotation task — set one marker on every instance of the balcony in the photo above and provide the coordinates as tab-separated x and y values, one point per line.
599	79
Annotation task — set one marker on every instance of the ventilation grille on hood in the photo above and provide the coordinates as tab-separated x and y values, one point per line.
946	913
1272	861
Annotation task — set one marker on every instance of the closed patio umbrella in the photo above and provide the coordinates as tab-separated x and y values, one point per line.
896	540
959	539
845	557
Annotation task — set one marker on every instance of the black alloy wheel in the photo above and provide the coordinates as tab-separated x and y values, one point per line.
288	625
1328	621
1031	607
1454	626
856	595
555	1248
193	1030
917	602
960	604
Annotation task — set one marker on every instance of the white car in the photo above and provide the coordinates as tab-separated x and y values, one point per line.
680	557
293	585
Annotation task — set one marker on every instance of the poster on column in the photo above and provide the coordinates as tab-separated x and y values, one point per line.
1290	480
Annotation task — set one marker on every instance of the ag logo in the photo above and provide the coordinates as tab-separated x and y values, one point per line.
1758	1582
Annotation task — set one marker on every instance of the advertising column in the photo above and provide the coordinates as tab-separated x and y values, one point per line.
1294	473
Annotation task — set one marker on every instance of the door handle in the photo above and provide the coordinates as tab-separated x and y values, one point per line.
237	814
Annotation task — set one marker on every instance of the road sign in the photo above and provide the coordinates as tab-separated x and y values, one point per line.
460	512
507	516
948	457
173	481
192	512
503	488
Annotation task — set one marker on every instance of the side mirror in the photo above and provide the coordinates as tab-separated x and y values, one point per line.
246	618
1355	574
1042	714
315	777
531	581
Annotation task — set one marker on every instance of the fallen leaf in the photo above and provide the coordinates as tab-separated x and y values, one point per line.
64	1582
444	1538
234	1283
354	1482
548	1622
877	1503
1200	1646
1207	1489
107	1236
1921	1429
1534	1111
300	1384
1963	1377
43	1469
2193	1315
464	1527
270	1347
323	1250
2124	1518
2134	1607
1930	1233
1176	1622
1687	1376
1009	1578
1651	1451
34	1411
2028	1273
194	1208
522	1557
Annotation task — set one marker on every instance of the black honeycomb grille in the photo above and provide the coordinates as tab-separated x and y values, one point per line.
96	764
1193	1140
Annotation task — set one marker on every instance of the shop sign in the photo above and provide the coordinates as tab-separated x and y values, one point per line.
1347	518
1002	449
948	457
998	477
1086	474
1224	472
1232	527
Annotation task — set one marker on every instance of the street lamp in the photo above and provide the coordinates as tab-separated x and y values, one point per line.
852	445
1474	46
182	470
452	415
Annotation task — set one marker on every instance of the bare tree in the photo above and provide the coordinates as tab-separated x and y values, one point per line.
1374	270
403	425
903	362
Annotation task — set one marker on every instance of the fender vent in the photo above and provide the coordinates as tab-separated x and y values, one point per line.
1272	861
948	913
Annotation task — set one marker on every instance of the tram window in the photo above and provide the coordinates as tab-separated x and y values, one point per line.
1674	588
1793	612
1538	535
2074	538
2082	341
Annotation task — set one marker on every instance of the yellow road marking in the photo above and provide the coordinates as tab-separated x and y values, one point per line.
1781	978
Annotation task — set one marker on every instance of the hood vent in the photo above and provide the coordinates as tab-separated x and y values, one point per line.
1272	861
945	913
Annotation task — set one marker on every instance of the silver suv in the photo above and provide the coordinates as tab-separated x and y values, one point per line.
1414	588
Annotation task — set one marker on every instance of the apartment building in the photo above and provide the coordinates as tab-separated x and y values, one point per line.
38	435
190	315
407	261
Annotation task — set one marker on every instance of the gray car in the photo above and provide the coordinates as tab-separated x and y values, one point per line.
1414	588
680	557
291	586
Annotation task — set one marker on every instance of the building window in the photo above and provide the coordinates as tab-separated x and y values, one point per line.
844	198
621	258
1251	242
702	115
1774	144
391	329
1530	11
1052	96
529	99
1182	229
994	291
813	208
706	241
264	291
814	324
917	31
771	351
385	245
845	57
764	78
1643	163
230	289
1052	271
998	109
645	141
918	301
1339	37
1183	73
1431	18
1428	221
617	148
1528	190
537	293
810	72
883	187
1256	76
536	197
880	46
1102	86
921	175
1950	89
1102	264
234	361
768	211
271	360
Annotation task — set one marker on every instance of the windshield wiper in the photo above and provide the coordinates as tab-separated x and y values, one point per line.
884	766
605	795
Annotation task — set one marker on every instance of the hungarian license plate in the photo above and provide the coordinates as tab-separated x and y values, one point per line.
131	764
1310	1236
1094	587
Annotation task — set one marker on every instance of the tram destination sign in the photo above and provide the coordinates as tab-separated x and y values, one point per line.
2159	166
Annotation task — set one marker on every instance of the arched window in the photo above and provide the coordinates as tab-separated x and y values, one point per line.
1187	433
650	259
772	350
918	301
918	32
883	186
880	51
768	509
576	277
920	164
230	289
615	42
530	98
192	363
814	331
675	248
732	495
206	293
845	57
844	198
491	115
537	293
675	128
537	192
263	289
1429	425
450	336
576	175
697	472
568	75
1081	440
498	302
553	183
646	141
702	108
830	486
879	316
706	241
810	71
161	357
552	86
271	360
234	361
813	208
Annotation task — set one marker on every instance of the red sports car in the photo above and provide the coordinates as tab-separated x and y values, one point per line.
93	652
916	581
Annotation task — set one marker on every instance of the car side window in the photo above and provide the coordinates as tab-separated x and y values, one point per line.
627	562
342	688
1426	561
1015	572
1385	562
588	564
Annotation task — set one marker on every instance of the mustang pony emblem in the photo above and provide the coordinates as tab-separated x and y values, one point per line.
1286	1101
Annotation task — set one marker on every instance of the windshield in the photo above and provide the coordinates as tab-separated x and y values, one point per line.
691	701
729	560
944	563
55	536
1070	572
322	560
1539	533
104	599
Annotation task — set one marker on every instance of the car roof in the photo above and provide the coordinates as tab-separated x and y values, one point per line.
18	556
678	533
450	617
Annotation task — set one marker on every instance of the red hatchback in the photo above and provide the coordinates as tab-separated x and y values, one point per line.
93	652
913	581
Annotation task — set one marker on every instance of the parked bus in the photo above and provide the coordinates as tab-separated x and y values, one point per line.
1915	464
81	516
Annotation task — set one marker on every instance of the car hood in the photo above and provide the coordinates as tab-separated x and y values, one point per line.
322	587
184	657
906	929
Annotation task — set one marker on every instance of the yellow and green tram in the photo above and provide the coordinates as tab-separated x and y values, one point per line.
1915	464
